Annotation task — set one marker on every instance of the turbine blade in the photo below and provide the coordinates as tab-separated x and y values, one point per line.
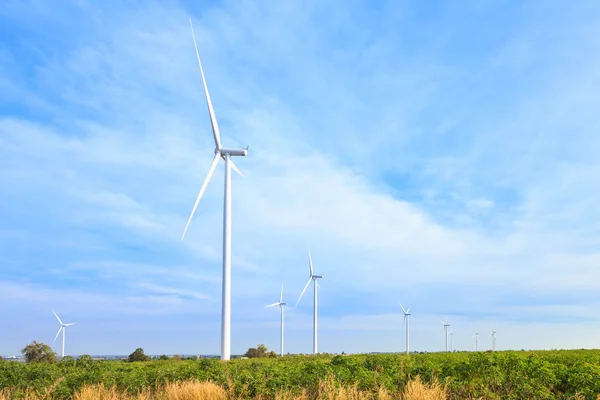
443	323
235	168
403	310
59	321
310	261
404	320
302	294
72	323
281	297
272	305
408	309
57	333
211	112
202	189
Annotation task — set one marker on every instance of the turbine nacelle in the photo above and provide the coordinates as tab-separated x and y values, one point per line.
232	152
317	276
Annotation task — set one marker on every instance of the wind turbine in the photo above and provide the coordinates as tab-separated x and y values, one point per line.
451	334
63	329
312	277
476	336
446	325
281	305
493	335
226	154
406	322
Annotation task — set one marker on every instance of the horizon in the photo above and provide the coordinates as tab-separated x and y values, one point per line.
440	155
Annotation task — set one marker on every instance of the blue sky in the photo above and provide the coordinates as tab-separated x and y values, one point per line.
439	154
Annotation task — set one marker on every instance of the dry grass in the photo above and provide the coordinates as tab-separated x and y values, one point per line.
193	390
328	389
417	390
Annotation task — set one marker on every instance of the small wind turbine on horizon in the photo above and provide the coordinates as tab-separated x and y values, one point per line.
63	329
493	336
476	336
225	154
451	335
406	322
446	325
281	305
312	277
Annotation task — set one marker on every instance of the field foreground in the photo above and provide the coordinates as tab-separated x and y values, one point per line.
193	389
501	375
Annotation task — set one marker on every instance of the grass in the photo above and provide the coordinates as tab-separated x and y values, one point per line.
328	389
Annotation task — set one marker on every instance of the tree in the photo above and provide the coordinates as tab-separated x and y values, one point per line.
38	352
260	351
163	357
138	355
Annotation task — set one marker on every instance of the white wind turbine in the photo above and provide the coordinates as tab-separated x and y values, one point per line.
446	325
493	335
281	305
63	329
406	323
476	336
226	154
451	335
312	277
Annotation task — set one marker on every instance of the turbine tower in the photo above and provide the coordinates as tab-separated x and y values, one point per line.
225	154
493	335
406	323
281	305
451	335
63	329
446	325
476	336
312	277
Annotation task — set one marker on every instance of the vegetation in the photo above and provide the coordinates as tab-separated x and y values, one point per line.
138	355
38	352
495	375
260	351
194	389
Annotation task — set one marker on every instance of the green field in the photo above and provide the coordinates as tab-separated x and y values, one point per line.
499	375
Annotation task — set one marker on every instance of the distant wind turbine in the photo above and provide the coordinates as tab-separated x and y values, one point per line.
451	334
446	325
63	329
493	335
476	336
312	277
281	305
225	154
406	323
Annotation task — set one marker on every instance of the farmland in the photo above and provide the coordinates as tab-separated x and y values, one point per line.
491	375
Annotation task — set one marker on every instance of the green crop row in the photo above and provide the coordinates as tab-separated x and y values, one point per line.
497	375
